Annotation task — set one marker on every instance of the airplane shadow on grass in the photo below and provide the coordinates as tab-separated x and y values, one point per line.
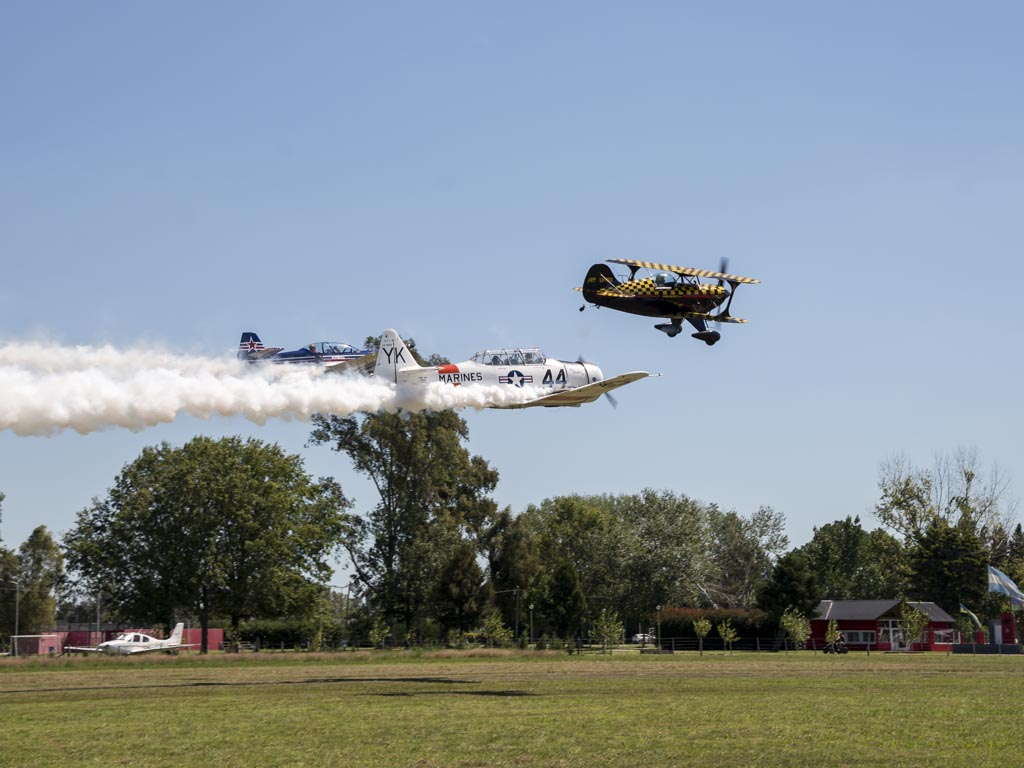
452	693
309	681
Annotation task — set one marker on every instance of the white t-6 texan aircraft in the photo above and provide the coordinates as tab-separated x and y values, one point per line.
556	382
135	642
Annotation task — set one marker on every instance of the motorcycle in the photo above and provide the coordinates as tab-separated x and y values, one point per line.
839	646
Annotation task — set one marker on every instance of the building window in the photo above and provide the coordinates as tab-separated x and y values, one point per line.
860	637
942	636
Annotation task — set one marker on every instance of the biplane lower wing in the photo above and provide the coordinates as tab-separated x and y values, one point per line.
714	318
588	393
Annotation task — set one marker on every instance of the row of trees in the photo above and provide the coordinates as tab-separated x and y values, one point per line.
233	530
942	527
30	581
226	529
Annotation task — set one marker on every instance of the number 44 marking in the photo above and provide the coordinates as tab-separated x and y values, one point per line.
549	380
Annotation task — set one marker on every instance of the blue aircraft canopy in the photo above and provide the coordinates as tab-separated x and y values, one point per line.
519	356
335	348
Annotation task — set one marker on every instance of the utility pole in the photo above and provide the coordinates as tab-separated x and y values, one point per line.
17	610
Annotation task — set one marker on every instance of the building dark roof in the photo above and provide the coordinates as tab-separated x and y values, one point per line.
868	610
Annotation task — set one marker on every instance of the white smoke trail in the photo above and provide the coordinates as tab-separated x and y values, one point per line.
48	388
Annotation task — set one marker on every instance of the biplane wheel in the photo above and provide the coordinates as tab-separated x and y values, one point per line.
669	329
708	337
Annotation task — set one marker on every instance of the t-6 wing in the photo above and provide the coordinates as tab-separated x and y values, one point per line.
588	393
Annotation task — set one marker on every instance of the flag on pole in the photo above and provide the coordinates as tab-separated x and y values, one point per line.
1000	582
973	618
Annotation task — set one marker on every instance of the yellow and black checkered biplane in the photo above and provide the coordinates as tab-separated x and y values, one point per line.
675	293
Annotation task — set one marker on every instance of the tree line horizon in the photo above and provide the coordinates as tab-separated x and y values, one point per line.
236	532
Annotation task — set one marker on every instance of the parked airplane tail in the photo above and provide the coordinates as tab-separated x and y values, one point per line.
175	637
393	356
249	344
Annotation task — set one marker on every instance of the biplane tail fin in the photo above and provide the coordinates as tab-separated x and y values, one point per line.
598	276
393	356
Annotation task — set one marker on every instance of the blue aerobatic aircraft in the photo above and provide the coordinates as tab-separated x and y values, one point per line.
334	355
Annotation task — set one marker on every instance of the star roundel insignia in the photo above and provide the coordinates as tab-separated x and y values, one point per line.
516	379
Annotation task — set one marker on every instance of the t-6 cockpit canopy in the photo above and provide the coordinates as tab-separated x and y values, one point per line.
519	356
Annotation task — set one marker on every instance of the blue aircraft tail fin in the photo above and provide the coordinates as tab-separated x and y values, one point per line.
249	345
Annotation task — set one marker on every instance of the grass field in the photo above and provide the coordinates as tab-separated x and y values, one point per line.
450	709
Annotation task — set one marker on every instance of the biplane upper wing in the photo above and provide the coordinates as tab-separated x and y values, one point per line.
687	271
588	393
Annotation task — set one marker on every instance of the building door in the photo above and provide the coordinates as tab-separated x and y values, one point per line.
890	632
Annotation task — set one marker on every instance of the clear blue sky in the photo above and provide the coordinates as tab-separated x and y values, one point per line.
173	174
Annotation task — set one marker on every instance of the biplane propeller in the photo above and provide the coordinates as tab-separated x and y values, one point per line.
675	293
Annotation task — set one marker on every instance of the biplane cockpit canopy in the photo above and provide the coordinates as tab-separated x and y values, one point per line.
666	279
523	356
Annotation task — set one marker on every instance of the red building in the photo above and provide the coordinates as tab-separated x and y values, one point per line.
876	624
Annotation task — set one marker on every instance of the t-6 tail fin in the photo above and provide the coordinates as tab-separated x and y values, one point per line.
393	356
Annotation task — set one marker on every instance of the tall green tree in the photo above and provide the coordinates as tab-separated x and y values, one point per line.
581	531
29	581
215	528
948	567
745	551
792	584
957	490
432	494
40	575
10	574
513	562
850	563
563	601
663	551
460	594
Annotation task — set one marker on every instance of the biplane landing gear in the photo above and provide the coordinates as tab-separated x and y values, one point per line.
670	329
708	337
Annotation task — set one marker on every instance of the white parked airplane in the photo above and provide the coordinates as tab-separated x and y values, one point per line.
556	382
135	642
